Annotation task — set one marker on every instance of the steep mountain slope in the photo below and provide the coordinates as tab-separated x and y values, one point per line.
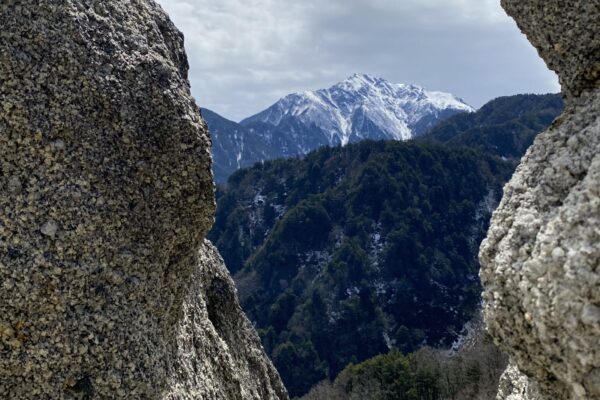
354	250
505	126
233	146
361	107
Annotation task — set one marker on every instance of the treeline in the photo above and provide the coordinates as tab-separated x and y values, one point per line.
472	373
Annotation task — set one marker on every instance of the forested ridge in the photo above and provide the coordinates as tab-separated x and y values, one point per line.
351	251
505	126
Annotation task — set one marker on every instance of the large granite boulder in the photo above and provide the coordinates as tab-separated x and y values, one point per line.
541	259
107	287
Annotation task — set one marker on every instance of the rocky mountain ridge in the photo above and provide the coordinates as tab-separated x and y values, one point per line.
363	107
358	108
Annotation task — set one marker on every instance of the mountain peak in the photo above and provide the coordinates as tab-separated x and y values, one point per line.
363	106
372	80
358	81
362	77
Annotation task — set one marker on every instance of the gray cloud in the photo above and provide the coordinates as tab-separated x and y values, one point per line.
245	54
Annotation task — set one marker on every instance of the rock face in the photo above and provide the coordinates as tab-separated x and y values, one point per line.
107	287
541	260
565	33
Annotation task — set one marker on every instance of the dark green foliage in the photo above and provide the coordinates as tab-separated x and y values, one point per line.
300	363
393	376
505	126
471	373
349	251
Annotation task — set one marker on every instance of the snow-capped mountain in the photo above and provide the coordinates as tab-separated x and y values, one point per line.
363	107
360	107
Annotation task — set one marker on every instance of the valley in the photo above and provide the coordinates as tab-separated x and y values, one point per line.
351	252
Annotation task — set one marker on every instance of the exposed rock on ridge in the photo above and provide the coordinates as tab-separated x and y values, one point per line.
516	386
541	259
107	288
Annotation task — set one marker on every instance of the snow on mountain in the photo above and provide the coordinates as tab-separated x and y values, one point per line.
233	146
363	107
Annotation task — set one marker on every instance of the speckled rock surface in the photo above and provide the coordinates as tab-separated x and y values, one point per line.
218	355
565	33
107	288
516	386
541	259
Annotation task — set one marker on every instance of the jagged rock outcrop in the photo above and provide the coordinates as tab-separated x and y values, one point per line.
541	259
565	33
516	386
107	287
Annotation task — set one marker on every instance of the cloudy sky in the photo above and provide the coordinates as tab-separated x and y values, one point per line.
246	54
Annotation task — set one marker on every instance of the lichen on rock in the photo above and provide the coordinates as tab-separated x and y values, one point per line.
541	259
107	287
